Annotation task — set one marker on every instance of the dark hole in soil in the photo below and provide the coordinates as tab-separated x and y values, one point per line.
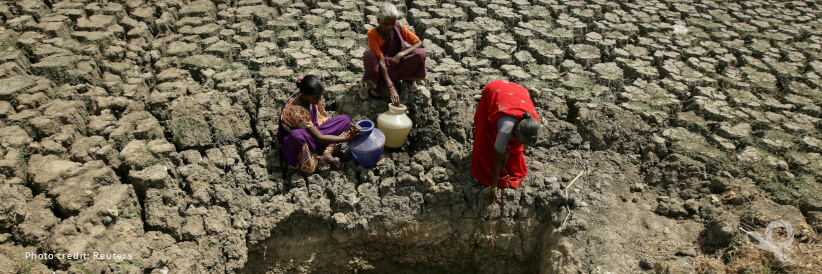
469	245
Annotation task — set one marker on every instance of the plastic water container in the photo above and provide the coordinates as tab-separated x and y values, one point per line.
367	147
395	124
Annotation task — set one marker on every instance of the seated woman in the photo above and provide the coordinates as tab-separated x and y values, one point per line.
389	59
306	131
506	121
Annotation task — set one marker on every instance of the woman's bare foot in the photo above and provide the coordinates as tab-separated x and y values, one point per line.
323	166
366	88
331	160
414	87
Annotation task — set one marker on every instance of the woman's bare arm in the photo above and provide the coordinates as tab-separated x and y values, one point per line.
324	139
411	49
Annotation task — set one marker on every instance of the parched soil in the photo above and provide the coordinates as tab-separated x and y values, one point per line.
140	136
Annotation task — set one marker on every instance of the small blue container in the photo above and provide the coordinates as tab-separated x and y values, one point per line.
367	147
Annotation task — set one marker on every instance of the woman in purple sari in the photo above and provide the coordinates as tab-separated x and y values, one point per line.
388	58
306	131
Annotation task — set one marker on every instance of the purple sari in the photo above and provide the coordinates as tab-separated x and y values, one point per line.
293	140
412	66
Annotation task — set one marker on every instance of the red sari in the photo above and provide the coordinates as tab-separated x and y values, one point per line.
499	98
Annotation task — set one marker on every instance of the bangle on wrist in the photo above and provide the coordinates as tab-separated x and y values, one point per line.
391	86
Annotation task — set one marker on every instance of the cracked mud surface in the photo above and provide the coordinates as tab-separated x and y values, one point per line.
147	128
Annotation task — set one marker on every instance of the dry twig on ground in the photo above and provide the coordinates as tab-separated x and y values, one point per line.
562	226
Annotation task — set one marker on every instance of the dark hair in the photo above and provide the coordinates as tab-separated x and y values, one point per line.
310	85
528	130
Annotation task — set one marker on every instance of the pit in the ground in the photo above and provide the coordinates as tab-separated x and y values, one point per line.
450	246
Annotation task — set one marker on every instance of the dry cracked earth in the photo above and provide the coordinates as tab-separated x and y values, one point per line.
144	131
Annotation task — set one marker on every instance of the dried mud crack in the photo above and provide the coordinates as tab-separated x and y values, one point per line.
142	135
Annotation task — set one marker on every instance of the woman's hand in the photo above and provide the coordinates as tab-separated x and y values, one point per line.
495	195
354	131
395	98
395	61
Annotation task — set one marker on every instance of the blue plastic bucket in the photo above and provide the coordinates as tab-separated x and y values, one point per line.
368	146
366	127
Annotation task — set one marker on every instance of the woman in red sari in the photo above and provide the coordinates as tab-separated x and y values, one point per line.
388	59
506	122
